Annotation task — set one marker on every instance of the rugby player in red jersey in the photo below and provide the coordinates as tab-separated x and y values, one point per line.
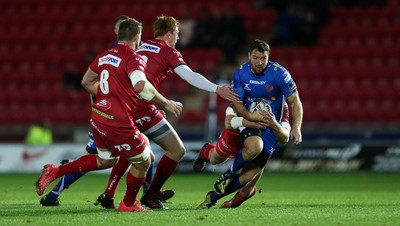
118	80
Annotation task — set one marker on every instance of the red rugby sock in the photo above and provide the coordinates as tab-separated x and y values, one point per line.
117	173
83	164
204	153
165	168
133	185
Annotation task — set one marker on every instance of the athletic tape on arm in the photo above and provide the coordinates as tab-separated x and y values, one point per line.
229	111
148	91
236	122
286	125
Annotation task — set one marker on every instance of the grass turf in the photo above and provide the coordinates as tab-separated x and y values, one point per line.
282	199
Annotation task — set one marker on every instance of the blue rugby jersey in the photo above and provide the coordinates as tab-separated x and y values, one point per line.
274	86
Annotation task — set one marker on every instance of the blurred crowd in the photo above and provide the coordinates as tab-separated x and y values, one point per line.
216	29
298	24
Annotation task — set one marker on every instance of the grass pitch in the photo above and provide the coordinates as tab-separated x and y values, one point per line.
282	199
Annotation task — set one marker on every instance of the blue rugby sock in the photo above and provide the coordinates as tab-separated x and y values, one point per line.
235	185
149	178
215	196
238	163
64	183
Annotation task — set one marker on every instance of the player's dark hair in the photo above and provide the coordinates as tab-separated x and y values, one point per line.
128	29
163	25
120	18
259	45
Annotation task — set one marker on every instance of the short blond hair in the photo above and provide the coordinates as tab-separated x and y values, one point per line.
164	24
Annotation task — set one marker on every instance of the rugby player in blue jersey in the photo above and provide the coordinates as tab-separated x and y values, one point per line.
258	78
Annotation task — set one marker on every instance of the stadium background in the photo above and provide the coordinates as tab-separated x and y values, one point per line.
343	55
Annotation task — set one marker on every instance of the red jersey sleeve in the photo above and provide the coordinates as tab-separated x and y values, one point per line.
174	58
136	63
94	65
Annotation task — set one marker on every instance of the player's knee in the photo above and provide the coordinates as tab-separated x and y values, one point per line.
144	166
139	169
176	153
180	151
252	147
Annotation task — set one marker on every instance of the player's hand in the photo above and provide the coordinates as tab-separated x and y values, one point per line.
258	116
269	118
174	107
295	135
227	93
256	125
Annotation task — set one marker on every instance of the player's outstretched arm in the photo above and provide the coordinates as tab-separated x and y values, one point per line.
197	80
227	93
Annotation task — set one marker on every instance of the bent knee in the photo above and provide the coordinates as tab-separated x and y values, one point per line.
253	147
180	151
176	153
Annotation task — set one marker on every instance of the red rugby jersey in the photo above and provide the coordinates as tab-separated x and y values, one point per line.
116	99
161	60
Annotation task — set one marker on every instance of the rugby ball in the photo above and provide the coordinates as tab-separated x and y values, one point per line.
260	104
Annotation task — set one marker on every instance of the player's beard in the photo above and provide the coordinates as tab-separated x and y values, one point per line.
258	70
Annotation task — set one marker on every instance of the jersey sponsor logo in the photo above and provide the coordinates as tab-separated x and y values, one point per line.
109	59
257	82
149	48
287	77
103	114
104	104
